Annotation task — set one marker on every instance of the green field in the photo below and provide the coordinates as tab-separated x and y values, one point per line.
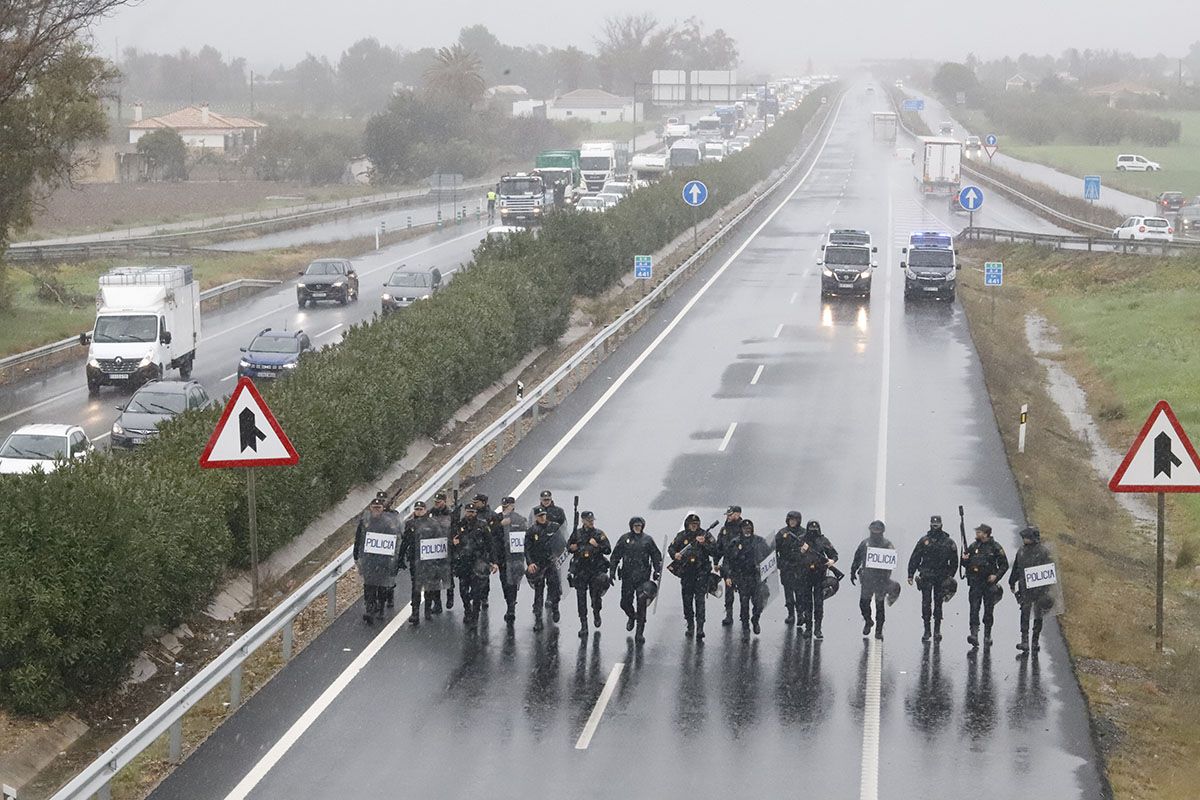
1180	162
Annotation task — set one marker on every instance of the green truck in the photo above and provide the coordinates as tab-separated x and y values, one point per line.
560	170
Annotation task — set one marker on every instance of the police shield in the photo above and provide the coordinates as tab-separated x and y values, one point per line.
514	562
431	564
768	567
558	551
380	552
1040	586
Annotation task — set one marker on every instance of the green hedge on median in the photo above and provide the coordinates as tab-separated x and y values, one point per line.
94	556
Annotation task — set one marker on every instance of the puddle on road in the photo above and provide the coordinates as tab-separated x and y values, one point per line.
1071	400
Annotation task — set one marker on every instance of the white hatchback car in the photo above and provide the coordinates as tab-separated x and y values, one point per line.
1129	162
1145	229
42	446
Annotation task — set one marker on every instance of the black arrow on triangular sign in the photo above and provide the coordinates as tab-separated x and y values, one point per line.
250	434
1164	459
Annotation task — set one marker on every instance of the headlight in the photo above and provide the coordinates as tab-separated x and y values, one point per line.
339	283
827	272
387	298
145	362
244	364
301	285
866	275
117	430
908	273
291	365
93	363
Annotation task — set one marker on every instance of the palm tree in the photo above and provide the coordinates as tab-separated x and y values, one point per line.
455	73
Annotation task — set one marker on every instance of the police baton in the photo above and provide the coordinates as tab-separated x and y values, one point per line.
962	532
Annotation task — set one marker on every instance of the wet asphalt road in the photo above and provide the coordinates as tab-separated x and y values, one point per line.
60	395
862	409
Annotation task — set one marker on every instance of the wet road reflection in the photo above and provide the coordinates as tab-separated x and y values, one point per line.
800	692
542	689
930	704
979	704
691	698
740	682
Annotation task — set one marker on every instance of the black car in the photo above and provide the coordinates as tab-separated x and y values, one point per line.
407	286
1170	201
153	404
1188	218
273	353
930	272
846	269
327	279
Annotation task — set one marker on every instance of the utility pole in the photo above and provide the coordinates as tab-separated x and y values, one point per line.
251	92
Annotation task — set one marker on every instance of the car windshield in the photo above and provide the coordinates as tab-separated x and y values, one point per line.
849	237
685	157
275	344
591	202
45	447
140	328
520	186
324	268
153	402
418	280
594	162
1172	195
931	257
857	256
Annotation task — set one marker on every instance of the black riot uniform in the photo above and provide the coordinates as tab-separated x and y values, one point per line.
505	522
637	560
816	552
491	520
541	569
588	574
741	561
474	561
985	563
787	550
691	553
554	514
875	583
446	517
1036	601
377	567
933	561
730	532
419	526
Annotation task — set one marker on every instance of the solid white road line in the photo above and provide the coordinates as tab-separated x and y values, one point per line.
757	374
289	738
330	330
593	721
793	300
778	330
293	734
728	436
228	377
39	404
885	387
870	765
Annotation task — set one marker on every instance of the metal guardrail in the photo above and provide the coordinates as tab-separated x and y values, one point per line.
168	717
1090	243
45	350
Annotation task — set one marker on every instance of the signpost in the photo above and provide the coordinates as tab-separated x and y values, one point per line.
248	435
643	267
990	145
694	194
914	105
971	198
1161	460
1091	187
993	275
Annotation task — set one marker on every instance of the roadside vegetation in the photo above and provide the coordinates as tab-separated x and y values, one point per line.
1128	337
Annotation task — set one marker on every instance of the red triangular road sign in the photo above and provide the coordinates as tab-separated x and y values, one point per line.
990	149
1162	458
248	435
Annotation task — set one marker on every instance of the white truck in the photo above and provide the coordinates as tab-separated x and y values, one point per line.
940	165
147	321
676	131
684	154
602	162
647	168
884	126
714	151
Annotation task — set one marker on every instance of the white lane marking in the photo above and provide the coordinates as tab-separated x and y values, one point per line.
289	738
885	389
870	766
778	331
293	734
330	330
728	436
593	722
101	437
229	377
662	336
39	404
757	374
794	294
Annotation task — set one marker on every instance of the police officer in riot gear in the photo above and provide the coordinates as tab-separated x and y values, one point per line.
691	553
447	518
787	549
933	561
742	560
636	559
985	563
876	583
377	565
416	528
541	569
730	532
817	555
507	521
554	514
491	520
1034	601
474	561
589	548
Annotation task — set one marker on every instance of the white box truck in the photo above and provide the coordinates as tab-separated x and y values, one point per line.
883	126
147	322
602	162
940	164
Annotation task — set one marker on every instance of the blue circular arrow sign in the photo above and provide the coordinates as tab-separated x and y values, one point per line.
990	140
970	198
695	193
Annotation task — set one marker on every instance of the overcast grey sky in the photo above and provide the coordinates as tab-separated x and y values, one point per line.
778	35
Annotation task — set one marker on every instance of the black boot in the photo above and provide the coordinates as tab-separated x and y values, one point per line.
450	597
817	631
937	630
973	636
367	618
728	618
867	625
629	623
554	613
640	636
925	637
691	629
791	617
1023	645
537	621
987	635
437	603
699	632
754	626
511	615
596	618
1037	634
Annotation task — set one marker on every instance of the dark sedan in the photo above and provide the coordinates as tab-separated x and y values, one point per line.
272	354
152	405
327	279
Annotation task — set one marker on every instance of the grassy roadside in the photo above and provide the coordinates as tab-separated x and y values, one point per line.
1127	344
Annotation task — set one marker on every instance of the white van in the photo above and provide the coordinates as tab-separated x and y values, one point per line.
1129	162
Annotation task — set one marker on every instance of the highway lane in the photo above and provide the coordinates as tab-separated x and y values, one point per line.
60	395
861	409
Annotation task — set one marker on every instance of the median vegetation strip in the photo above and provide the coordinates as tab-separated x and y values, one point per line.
145	539
1127	336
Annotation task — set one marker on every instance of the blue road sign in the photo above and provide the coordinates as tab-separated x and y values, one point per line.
993	273
643	266
695	193
914	105
1091	187
990	140
970	198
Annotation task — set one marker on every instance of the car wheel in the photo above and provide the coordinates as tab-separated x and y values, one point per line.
301	302
1120	168
345	298
185	369
950	297
93	389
